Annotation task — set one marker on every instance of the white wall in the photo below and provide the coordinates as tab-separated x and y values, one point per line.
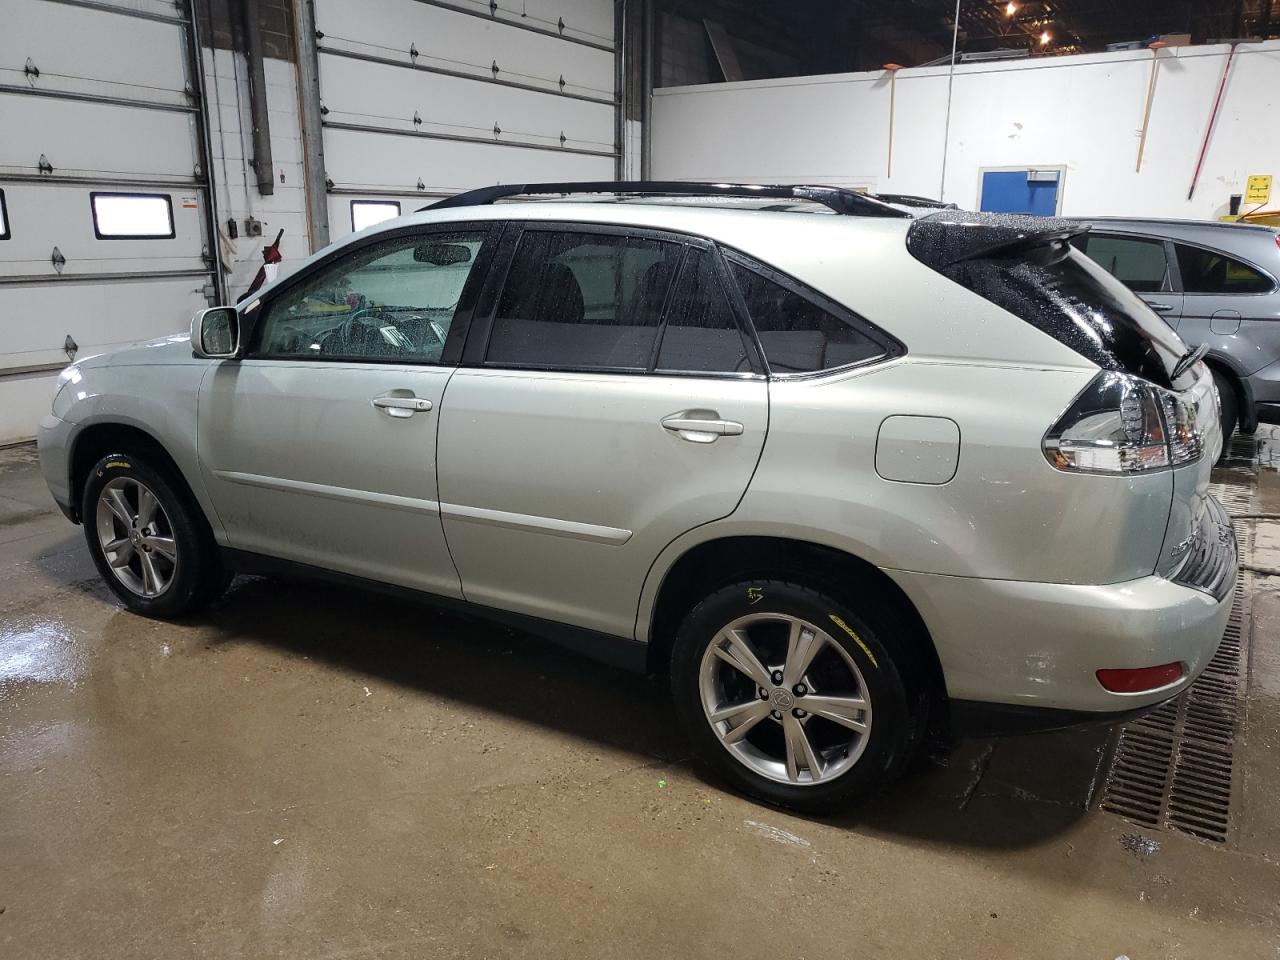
1083	113
231	141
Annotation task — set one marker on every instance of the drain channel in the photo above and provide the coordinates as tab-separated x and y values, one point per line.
1172	768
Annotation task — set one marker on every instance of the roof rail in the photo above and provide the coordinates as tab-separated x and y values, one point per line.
841	201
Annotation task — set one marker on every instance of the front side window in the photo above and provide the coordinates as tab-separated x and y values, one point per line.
392	300
796	334
1141	265
132	216
4	219
1205	271
582	301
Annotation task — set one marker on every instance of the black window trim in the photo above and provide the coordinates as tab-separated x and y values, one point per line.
351	209
893	347
1173	254
251	312
475	353
1172	272
7	232
149	194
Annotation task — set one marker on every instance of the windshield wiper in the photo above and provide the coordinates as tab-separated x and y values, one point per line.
1189	360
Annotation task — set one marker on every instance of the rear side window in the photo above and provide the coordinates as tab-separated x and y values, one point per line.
582	300
1205	271
702	334
1141	265
796	334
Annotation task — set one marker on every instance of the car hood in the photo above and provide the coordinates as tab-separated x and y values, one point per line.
170	350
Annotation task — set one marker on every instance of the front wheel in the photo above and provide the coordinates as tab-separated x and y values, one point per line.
791	695
148	539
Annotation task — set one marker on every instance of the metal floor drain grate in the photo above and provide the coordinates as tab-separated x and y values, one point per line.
1173	768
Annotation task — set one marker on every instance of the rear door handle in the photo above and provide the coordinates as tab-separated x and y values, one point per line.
1160	307
701	429
402	406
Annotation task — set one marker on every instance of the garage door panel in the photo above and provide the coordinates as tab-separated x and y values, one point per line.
36	319
588	20
367	93
42	216
91	51
468	44
83	139
380	162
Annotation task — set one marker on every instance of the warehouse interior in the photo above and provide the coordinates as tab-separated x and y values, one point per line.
313	771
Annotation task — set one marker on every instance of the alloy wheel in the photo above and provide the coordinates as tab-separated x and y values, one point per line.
136	537
785	699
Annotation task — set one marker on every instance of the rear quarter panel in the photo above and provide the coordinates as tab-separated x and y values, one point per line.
1006	514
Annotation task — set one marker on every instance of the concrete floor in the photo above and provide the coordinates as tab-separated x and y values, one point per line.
314	773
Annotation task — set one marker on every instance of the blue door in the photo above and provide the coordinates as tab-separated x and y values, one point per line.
1020	191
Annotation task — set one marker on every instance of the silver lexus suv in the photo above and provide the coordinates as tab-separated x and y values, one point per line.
846	475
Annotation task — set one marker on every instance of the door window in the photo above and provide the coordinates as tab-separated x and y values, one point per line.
796	334
1205	271
393	300
582	301
702	334
1141	265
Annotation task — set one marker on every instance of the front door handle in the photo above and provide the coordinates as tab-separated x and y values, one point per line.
1160	307
699	426
402	406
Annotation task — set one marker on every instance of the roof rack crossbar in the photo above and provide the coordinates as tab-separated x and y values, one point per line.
841	201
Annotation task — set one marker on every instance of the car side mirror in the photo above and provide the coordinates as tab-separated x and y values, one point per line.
442	254
215	333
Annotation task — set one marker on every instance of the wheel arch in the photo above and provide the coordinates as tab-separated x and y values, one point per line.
718	562
1246	409
96	440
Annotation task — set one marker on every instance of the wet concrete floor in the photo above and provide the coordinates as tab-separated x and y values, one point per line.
318	773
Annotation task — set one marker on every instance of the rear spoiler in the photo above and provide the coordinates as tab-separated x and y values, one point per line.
947	237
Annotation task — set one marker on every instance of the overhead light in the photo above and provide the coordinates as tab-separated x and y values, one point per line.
1045	38
1010	9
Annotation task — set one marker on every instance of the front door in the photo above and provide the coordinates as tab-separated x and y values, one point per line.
614	404
319	446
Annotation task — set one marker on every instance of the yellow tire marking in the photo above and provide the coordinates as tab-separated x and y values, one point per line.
116	463
856	639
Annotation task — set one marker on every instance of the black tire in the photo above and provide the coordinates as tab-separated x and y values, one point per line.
196	575
1230	405
894	732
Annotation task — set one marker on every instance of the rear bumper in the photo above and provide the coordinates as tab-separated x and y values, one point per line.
1037	646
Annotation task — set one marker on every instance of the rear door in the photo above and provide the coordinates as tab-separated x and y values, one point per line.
320	446
1142	264
1225	301
609	401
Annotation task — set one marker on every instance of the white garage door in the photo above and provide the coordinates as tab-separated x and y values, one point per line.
426	98
104	237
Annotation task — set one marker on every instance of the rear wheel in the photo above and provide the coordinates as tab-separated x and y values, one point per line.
791	695
148	539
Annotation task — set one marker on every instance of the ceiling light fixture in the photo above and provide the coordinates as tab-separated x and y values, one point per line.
1010	9
1045	38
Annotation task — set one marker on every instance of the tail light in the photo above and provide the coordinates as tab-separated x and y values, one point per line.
1122	424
